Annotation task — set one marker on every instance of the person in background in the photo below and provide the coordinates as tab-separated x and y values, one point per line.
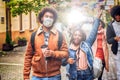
113	36
47	58
100	48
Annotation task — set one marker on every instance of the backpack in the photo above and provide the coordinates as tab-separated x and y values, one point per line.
60	40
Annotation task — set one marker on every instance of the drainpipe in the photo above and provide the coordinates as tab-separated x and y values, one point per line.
8	19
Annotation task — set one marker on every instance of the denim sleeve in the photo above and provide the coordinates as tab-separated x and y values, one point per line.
92	36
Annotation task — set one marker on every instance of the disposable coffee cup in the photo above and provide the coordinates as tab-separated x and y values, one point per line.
45	47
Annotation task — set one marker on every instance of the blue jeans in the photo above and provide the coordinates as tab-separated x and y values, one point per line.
85	74
57	77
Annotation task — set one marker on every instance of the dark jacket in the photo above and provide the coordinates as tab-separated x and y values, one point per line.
110	38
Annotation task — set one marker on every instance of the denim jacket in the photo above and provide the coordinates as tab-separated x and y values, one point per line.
86	47
87	44
72	67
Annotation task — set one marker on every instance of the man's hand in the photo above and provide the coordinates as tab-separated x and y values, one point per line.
48	53
117	38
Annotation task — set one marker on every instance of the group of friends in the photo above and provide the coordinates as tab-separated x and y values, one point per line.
46	61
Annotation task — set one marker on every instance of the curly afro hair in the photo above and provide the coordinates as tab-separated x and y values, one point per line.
47	9
115	11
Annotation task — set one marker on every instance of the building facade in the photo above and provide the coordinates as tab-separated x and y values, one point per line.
2	23
19	26
22	25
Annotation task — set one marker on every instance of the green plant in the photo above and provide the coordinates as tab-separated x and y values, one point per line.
22	41
18	7
108	17
25	6
8	45
21	38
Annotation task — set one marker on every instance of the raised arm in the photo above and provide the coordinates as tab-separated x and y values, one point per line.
92	36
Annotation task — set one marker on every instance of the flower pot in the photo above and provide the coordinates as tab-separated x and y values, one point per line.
7	47
22	42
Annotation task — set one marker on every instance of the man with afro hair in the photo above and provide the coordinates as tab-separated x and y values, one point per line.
113	36
45	60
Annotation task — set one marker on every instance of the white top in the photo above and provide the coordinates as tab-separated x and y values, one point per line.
116	26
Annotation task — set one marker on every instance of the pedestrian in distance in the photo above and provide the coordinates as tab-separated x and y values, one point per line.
100	48
113	36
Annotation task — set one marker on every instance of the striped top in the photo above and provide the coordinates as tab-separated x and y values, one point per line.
81	61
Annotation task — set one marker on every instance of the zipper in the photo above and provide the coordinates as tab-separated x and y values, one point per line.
46	62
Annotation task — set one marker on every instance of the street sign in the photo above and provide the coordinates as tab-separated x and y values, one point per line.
107	7
110	2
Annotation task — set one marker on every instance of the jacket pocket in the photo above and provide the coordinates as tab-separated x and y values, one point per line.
37	58
36	63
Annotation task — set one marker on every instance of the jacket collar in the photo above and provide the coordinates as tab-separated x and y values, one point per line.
40	30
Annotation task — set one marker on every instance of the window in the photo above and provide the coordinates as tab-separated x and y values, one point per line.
2	20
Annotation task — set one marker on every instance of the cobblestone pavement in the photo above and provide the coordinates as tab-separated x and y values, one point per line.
11	66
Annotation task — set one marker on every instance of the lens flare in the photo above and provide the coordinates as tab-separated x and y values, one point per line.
75	17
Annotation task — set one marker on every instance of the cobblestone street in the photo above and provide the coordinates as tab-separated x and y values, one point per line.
11	66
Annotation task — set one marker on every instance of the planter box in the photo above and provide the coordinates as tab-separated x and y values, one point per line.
7	47
22	42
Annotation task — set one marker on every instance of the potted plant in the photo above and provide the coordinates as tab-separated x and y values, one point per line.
8	45
22	41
